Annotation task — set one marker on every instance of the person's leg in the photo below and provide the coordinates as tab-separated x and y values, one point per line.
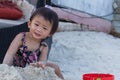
57	69
48	2
40	3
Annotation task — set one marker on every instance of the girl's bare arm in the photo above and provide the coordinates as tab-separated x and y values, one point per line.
13	48
44	53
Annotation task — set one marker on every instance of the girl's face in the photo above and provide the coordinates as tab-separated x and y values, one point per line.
39	27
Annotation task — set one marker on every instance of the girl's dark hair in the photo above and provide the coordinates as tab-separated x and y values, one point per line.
49	15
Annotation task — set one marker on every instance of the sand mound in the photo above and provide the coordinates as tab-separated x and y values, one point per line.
27	73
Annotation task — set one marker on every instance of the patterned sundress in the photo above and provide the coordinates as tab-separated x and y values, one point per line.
24	57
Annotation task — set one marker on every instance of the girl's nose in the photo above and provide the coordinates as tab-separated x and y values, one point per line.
40	29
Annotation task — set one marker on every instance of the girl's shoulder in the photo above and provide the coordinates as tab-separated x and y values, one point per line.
20	35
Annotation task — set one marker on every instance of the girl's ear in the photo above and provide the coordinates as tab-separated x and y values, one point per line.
29	24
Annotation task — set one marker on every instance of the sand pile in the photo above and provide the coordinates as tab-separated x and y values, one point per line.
27	73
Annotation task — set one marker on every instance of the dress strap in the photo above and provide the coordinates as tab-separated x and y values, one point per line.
23	42
23	38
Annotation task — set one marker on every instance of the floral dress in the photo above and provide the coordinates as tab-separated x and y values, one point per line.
24	57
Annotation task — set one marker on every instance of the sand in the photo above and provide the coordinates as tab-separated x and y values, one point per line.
82	52
27	73
76	53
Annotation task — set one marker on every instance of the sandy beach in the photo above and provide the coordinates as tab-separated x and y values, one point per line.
76	53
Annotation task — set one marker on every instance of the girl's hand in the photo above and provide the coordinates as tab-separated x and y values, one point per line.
41	64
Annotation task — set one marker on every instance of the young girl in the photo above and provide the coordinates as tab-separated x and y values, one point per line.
29	47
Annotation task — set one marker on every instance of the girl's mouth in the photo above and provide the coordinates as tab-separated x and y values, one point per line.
36	34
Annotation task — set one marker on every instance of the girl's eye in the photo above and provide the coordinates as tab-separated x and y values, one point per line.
36	24
45	28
